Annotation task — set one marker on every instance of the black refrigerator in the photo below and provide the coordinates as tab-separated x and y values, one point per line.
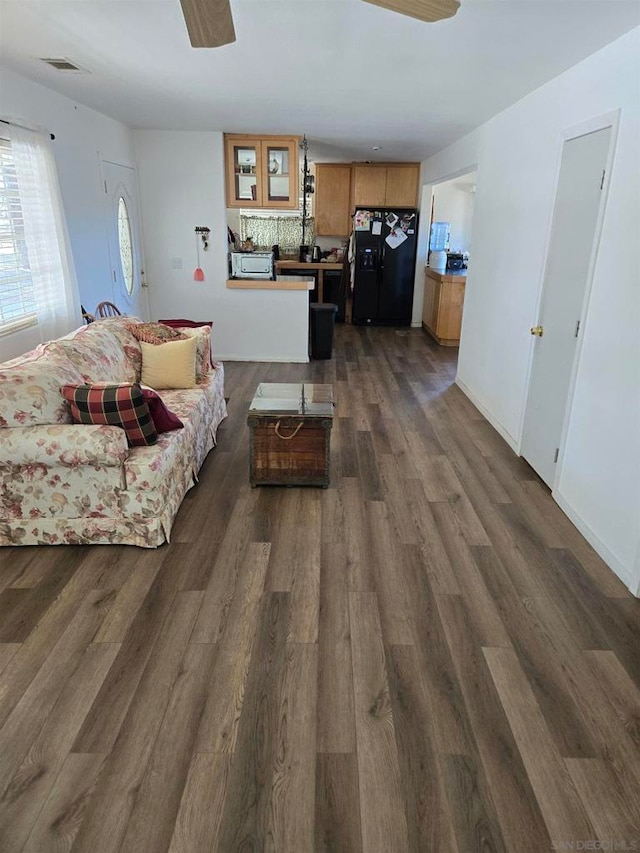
385	262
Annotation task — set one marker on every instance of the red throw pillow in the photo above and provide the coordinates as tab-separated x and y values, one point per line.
191	324
188	324
113	405
163	418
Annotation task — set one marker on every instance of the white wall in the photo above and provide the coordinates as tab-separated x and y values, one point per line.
181	177
83	138
517	154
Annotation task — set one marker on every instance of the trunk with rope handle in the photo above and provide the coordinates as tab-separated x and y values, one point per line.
292	448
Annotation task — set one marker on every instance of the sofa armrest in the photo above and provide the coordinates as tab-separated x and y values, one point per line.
68	445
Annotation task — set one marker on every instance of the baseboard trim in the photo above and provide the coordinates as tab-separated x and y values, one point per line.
495	423
623	572
261	359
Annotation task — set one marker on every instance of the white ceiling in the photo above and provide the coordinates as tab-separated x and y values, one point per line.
348	74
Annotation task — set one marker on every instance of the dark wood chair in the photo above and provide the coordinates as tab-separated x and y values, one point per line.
87	318
108	309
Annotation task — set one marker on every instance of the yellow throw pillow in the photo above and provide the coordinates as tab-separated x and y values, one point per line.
170	365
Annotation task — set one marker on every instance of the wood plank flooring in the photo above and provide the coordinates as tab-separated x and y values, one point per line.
427	656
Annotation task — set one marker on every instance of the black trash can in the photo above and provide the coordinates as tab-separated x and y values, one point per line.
323	317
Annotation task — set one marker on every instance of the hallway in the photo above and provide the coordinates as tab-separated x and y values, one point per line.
427	656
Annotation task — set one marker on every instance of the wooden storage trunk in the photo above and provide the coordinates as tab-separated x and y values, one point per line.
287	448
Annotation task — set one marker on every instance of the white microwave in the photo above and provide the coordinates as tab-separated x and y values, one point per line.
252	264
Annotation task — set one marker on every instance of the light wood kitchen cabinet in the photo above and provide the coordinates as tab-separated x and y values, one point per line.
430	303
369	185
333	199
385	184
262	171
402	185
442	306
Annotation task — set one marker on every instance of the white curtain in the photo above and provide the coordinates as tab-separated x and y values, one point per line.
286	231
50	259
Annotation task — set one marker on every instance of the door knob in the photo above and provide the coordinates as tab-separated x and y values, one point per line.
538	331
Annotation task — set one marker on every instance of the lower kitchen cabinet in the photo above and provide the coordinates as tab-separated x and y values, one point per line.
335	291
443	303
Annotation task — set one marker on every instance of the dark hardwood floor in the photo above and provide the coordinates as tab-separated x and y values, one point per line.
426	656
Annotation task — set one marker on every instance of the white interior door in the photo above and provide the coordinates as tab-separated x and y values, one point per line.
125	245
571	252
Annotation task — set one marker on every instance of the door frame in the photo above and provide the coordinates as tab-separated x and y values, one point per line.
141	295
425	200
602	122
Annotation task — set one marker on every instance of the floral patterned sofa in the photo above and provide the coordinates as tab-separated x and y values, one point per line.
68	483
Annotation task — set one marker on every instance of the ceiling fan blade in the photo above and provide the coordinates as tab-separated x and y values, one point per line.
209	22
423	10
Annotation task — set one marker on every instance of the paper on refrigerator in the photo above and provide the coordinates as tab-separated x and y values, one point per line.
395	238
362	220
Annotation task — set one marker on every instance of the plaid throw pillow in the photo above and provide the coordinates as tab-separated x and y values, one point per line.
114	405
155	333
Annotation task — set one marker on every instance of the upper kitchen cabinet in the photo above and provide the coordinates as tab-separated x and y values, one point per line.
385	184
262	171
403	181
333	199
369	185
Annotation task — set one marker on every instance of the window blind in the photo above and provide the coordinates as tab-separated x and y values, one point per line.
17	302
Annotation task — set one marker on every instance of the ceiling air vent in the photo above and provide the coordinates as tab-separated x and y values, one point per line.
64	64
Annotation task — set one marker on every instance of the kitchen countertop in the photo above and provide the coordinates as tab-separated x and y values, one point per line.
303	266
446	275
282	282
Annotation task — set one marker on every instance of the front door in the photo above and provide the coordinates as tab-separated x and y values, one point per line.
125	247
571	253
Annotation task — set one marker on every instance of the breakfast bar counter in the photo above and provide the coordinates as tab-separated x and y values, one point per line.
270	319
282	282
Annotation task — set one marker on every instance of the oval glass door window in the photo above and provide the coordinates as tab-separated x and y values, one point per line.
126	245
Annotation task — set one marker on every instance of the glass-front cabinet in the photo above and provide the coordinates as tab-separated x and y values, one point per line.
262	171
243	179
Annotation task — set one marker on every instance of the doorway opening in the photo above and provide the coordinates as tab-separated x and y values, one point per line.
448	256
128	288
